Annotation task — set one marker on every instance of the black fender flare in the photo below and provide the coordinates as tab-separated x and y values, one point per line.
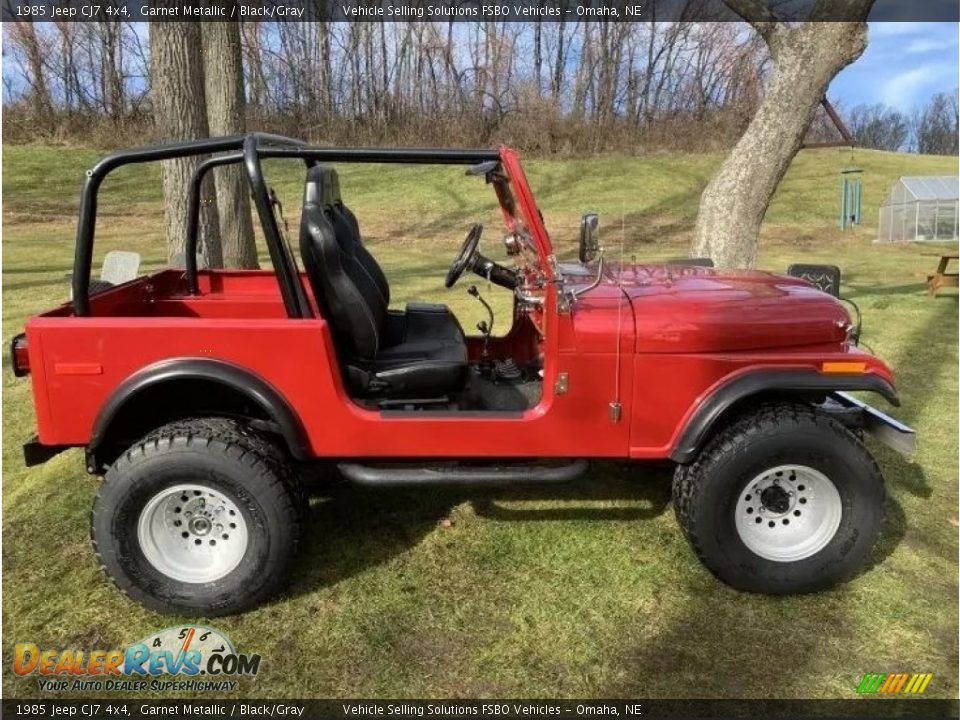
799	380
235	377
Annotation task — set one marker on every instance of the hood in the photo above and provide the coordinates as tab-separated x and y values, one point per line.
695	309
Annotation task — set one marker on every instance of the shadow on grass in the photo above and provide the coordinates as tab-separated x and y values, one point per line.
892	532
721	642
354	528
871	290
613	484
31	269
32	284
903	472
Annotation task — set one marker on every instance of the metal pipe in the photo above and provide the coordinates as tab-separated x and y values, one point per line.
574	294
193	214
384	155
294	302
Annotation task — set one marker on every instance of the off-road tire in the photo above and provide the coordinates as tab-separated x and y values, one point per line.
240	462
705	494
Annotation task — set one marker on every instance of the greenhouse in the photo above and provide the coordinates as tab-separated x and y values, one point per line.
920	209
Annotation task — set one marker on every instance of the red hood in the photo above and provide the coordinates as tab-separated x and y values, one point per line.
694	309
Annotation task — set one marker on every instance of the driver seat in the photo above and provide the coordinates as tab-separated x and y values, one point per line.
418	354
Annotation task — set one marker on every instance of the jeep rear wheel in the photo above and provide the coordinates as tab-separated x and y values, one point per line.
200	517
784	500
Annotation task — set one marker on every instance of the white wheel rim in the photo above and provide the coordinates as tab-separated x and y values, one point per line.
788	513
192	533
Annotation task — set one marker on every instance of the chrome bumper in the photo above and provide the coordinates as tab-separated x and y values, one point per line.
886	429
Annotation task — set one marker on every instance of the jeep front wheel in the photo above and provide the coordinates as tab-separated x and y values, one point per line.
784	500
199	517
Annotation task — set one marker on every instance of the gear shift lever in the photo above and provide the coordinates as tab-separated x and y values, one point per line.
486	364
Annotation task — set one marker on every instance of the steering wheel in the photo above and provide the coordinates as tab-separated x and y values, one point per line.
465	257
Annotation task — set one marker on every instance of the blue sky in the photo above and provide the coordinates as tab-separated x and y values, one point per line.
904	64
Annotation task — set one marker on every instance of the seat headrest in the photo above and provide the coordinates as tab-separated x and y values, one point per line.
322	187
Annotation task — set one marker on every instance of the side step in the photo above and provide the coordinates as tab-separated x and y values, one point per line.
485	475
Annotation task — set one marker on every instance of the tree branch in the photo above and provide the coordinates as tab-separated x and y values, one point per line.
757	14
844	10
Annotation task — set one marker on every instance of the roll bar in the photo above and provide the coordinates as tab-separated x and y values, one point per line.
247	149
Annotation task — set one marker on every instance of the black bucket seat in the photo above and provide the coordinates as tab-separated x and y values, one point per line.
417	354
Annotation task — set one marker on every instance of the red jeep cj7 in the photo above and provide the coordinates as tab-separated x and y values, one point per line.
203	395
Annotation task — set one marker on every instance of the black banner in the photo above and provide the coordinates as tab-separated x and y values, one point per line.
469	10
903	709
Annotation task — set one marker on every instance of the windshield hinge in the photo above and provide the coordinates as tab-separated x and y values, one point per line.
616	410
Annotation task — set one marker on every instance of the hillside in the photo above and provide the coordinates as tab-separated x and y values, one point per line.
656	194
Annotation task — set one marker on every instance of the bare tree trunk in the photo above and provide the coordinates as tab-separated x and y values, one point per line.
25	34
180	113
111	60
223	67
806	58
556	86
251	38
538	58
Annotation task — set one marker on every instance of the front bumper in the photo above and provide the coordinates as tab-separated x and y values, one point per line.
856	413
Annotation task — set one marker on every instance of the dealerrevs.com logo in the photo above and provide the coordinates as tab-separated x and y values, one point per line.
179	658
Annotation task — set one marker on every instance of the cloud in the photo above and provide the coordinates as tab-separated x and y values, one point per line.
920	46
897	29
903	89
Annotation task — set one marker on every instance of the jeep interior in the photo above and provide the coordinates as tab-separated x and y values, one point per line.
418	358
414	359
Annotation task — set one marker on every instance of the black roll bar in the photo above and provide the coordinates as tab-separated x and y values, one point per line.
409	156
291	288
87	220
252	147
193	214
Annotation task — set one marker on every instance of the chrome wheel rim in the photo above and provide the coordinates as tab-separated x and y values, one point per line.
788	513
192	533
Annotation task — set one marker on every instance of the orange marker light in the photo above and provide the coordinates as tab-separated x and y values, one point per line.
844	367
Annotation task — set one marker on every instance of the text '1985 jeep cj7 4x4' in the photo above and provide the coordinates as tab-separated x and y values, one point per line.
202	395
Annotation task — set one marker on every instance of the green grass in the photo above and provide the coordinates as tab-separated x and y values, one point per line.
585	591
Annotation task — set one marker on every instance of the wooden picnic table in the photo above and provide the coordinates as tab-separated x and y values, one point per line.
941	278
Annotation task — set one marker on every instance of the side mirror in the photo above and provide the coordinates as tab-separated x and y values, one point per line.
589	237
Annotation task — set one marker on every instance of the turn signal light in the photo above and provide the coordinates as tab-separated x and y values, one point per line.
844	367
19	355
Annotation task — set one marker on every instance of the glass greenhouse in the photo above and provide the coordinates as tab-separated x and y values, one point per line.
920	209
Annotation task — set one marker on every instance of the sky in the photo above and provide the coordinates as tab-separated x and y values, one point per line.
903	65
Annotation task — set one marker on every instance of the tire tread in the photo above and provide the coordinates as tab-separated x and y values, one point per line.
690	480
262	457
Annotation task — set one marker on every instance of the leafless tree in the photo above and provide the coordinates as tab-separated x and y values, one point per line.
25	35
573	85
878	126
935	127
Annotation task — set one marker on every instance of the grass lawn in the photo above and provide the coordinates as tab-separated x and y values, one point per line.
586	591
